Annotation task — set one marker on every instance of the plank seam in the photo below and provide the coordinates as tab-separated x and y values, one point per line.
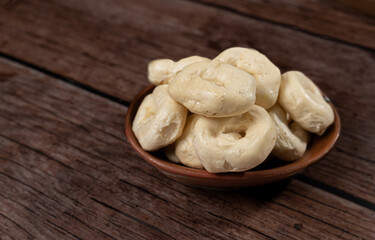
338	192
67	80
284	25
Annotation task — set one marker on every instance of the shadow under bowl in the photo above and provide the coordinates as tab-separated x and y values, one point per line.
269	172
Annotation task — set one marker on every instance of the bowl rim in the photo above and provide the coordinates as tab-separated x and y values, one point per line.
179	170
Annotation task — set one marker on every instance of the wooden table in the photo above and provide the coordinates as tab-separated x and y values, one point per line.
68	70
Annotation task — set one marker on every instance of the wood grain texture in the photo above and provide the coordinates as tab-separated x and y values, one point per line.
107	46
73	176
327	18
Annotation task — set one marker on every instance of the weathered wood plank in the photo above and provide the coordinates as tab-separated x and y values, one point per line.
65	169
101	45
328	18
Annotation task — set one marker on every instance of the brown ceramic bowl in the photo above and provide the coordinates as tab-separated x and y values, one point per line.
268	172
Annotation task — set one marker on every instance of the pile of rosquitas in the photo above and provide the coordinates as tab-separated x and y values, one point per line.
230	113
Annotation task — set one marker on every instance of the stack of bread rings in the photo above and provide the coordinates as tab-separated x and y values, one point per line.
230	113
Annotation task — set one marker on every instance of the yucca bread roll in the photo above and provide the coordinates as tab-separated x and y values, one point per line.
266	74
213	89
169	152
159	120
234	144
183	148
162	71
302	99
291	141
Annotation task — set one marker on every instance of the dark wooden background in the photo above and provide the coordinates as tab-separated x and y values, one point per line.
68	70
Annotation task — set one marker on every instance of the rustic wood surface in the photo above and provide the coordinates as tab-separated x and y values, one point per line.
114	61
329	19
72	174
68	70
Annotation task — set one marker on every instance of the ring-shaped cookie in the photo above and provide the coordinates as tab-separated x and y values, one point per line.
183	147
291	139
162	71
302	99
266	74
159	120
213	89
234	144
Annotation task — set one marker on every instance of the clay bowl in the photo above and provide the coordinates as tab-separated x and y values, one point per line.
268	172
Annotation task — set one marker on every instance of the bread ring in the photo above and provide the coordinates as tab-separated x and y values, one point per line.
169	152
266	74
302	99
234	144
162	71
183	147
213	89
291	139
159	120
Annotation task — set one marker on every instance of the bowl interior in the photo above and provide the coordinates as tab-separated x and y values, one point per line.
267	172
